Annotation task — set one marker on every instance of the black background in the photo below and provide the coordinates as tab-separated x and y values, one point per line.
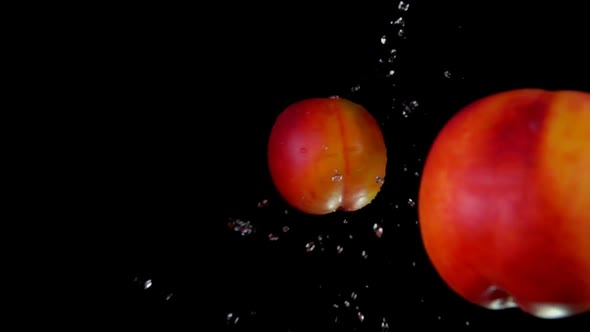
189	97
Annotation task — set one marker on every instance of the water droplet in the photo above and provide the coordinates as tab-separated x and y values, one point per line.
355	88
439	317
286	211
391	58
467	323
364	254
147	284
403	6
243	227
303	150
168	296
416	174
347	304
447	74
416	222
310	246
263	203
378	230
339	249
400	21
325	148
401	32
390	73
285	229
361	316
414	264
337	176
384	325
345	221
500	299
383	39
411	202
336	306
408	109
350	236
379	180
334	97
353	295
272	237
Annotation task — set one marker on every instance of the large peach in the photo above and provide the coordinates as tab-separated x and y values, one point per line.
504	202
327	154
